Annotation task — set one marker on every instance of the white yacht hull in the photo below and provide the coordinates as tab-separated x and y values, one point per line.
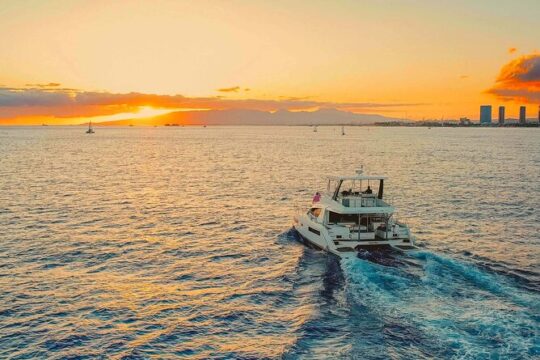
319	237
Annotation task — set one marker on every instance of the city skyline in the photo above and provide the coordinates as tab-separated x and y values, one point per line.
486	115
68	61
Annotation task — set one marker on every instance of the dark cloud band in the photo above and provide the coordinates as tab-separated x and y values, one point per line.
69	102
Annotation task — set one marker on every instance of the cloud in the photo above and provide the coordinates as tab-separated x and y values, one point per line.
523	69
230	89
519	80
65	103
295	98
512	50
13	97
517	95
49	85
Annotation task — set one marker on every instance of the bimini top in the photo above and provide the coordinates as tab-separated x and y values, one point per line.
359	176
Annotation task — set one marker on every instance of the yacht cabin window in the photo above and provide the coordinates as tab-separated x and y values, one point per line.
335	218
365	220
315	211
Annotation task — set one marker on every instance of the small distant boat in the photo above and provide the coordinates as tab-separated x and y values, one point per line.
90	129
343	130
315	128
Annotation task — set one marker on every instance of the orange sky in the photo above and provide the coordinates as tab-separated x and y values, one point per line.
63	61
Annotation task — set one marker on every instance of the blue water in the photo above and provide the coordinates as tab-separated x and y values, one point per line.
177	243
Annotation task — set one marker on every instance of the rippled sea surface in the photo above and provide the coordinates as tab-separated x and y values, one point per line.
177	242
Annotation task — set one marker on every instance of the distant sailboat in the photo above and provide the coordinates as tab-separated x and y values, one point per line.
343	130
90	129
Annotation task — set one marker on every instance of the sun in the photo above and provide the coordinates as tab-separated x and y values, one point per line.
141	113
148	111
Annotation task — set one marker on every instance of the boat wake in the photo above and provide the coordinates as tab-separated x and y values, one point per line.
443	307
417	305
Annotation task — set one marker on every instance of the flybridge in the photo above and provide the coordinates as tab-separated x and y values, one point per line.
358	185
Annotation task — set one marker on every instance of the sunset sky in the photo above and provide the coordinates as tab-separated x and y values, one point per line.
63	61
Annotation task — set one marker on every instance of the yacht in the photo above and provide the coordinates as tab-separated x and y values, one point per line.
90	129
352	216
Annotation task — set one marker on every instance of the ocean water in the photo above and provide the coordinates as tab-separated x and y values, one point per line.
177	243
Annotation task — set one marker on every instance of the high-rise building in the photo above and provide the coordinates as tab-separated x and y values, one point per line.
522	114
501	115
485	114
